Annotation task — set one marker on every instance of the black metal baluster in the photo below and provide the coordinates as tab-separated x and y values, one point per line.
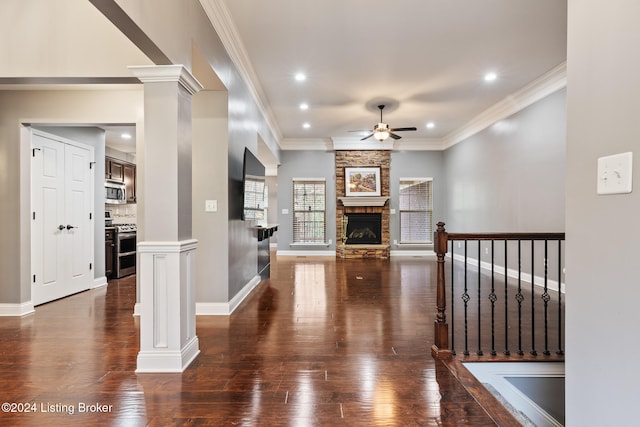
533	351
465	298
493	298
546	298
506	351
520	298
560	351
453	313
479	352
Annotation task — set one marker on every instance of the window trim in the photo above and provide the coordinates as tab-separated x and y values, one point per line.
400	211
295	181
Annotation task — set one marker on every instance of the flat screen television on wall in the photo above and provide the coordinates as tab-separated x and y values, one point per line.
253	188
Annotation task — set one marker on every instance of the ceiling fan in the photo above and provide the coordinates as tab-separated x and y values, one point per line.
381	131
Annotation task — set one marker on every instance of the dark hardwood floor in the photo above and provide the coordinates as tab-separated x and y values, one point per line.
324	342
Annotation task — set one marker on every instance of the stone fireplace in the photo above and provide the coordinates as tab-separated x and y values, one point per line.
353	209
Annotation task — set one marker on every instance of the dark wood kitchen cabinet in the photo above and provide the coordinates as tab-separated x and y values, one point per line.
120	171
114	170
129	172
109	251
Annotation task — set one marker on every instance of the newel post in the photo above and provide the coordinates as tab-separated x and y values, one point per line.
440	348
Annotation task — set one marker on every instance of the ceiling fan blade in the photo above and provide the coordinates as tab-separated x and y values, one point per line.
394	136
402	129
367	137
361	130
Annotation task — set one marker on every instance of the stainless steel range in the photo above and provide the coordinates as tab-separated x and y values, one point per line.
125	257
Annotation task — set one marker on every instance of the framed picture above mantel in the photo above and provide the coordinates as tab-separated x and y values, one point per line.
362	181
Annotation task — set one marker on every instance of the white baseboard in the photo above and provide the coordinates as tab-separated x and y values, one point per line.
226	308
18	310
409	253
511	273
136	309
306	253
99	281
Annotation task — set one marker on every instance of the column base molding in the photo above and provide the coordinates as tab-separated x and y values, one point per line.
163	361
168	341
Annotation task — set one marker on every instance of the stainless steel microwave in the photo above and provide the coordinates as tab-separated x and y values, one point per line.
115	193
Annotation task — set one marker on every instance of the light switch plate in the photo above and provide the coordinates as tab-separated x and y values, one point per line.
211	205
615	174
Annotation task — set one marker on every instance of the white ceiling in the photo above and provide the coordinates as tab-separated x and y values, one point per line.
114	137
425	59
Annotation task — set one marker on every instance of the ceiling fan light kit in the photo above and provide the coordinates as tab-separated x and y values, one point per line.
381	131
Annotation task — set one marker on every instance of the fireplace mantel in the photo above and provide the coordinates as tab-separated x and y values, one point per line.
364	200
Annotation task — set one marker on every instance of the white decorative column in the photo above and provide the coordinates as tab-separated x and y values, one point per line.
168	341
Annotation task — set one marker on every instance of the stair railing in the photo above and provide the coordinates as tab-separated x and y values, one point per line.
496	288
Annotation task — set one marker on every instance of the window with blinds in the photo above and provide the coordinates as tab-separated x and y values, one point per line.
254	198
416	210
309	216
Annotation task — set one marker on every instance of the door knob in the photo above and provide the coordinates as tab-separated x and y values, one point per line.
69	227
61	227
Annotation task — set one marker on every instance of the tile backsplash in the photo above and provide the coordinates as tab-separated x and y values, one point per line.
123	214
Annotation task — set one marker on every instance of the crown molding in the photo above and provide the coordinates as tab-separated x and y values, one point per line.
311	144
167	73
223	25
419	144
351	143
357	144
545	85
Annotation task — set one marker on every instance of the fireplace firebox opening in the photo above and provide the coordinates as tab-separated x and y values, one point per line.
364	229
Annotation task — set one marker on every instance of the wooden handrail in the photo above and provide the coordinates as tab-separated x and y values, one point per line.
440	349
503	236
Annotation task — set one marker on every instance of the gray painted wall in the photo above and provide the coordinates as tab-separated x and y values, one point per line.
510	176
602	231
272	208
210	183
416	164
305	164
243	241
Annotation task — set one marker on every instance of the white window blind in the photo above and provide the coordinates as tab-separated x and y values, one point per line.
416	210
254	198
309	216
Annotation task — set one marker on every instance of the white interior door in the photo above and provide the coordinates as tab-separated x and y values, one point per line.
62	224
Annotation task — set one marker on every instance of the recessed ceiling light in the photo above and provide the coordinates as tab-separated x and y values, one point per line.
125	136
304	106
300	77
430	125
489	77
306	125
